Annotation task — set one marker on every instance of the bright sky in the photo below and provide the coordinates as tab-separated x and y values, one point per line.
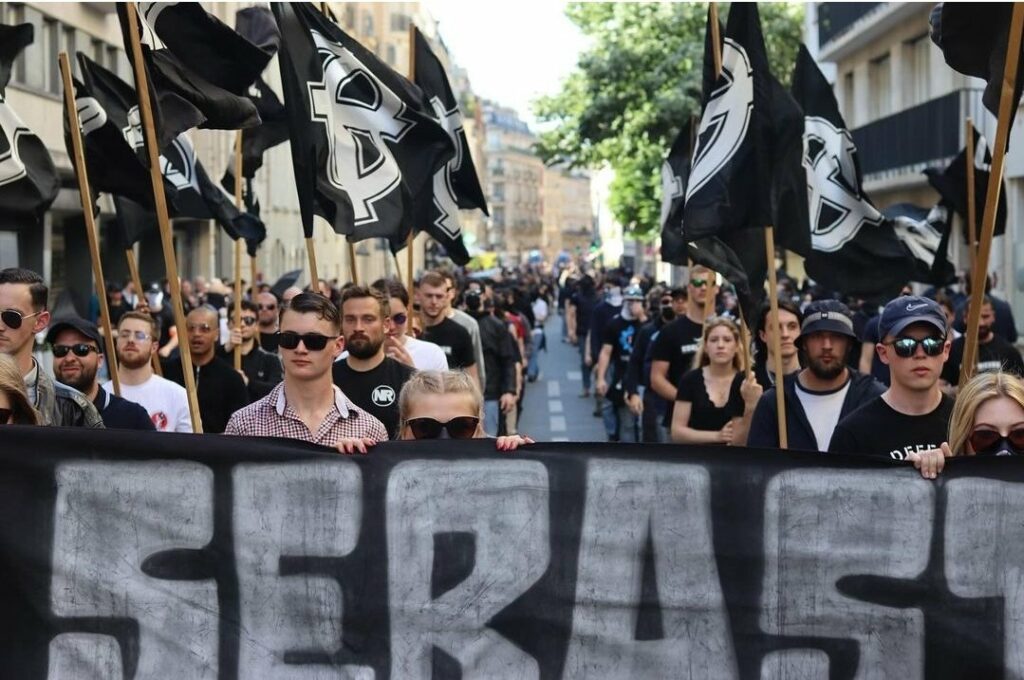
514	52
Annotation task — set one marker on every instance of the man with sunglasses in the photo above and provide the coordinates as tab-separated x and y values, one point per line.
220	390
266	306
261	370
995	353
23	296
307	405
399	343
912	416
368	376
77	354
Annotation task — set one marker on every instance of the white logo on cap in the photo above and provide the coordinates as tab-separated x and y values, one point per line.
914	308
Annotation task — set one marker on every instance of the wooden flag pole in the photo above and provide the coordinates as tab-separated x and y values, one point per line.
314	278
409	263
78	161
238	248
971	227
716	38
133	272
352	262
773	300
995	183
160	201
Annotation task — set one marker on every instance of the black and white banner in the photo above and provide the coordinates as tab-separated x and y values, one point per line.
186	556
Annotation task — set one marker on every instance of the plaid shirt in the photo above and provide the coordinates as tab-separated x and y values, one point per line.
272	416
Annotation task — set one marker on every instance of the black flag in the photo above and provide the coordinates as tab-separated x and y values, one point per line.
252	207
364	143
729	185
675	170
28	178
257	25
853	248
456	185
974	37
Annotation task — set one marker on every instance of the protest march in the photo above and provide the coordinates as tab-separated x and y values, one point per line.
733	342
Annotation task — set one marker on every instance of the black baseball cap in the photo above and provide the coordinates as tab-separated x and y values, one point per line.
910	309
827	315
86	328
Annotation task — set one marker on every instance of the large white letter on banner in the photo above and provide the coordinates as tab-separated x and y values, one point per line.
109	518
504	505
985	553
299	509
629	502
822	525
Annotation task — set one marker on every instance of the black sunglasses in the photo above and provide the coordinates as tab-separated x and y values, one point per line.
460	427
987	442
249	320
906	347
12	318
81	349
314	342
267	308
399	318
5	415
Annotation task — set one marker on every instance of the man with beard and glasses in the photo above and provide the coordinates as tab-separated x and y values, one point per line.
368	376
307	405
261	370
266	306
221	391
995	353
164	401
912	416
821	394
77	355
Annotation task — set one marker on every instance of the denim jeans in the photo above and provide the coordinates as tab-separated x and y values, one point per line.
492	411
584	369
619	422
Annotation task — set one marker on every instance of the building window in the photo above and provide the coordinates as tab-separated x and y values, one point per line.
367	24
880	80
848	99
350	17
399	22
392	55
916	74
499	191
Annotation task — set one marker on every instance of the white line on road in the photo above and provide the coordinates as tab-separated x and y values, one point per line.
555	405
557	424
575	375
554	390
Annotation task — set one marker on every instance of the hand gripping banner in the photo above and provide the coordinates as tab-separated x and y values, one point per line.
210	557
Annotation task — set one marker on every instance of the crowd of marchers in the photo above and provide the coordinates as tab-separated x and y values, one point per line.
350	366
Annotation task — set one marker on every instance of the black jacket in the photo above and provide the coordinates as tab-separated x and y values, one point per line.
764	427
499	359
221	391
263	370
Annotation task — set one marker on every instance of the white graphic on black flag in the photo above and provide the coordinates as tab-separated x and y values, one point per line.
671	189
11	130
360	114
838	210
724	123
444	193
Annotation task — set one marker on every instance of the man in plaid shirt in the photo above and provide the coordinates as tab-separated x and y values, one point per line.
307	405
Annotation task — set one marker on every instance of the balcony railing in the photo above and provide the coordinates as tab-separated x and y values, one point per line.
835	18
923	135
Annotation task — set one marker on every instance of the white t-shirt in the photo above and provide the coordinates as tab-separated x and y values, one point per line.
540	310
426	356
822	409
166	402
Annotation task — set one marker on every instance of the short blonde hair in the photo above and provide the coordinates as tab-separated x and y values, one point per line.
971	396
12	384
426	383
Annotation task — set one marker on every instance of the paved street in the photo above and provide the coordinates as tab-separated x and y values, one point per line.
553	409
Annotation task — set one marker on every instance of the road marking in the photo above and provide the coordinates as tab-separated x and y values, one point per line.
559	439
575	375
554	390
557	424
555	405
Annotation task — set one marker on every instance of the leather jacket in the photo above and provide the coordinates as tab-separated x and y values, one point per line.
63	406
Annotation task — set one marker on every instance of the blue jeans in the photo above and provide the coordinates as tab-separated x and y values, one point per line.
492	411
533	365
619	422
584	369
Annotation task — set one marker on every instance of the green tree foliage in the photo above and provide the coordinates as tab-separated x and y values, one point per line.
634	87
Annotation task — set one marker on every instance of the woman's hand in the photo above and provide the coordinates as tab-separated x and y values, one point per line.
930	463
512	442
726	433
751	391
350	445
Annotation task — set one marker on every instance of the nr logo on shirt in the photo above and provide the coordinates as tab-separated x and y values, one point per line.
383	395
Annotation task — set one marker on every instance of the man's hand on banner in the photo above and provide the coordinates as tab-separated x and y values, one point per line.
930	463
350	445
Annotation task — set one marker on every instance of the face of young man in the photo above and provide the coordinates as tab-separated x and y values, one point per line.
16	299
267	310
135	343
987	320
697	286
77	371
363	326
789	329
303	363
918	372
826	354
433	300
203	328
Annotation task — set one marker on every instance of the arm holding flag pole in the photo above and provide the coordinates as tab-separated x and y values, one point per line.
238	248
78	160
988	225
160	201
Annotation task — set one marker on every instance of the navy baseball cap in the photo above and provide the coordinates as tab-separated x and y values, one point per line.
910	309
827	315
86	328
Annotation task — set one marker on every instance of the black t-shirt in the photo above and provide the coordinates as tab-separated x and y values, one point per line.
454	340
220	389
677	344
375	391
704	414
992	356
268	342
620	334
877	429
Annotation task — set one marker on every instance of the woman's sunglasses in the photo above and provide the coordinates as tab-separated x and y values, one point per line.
12	318
906	347
81	349
461	427
399	318
314	342
988	442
